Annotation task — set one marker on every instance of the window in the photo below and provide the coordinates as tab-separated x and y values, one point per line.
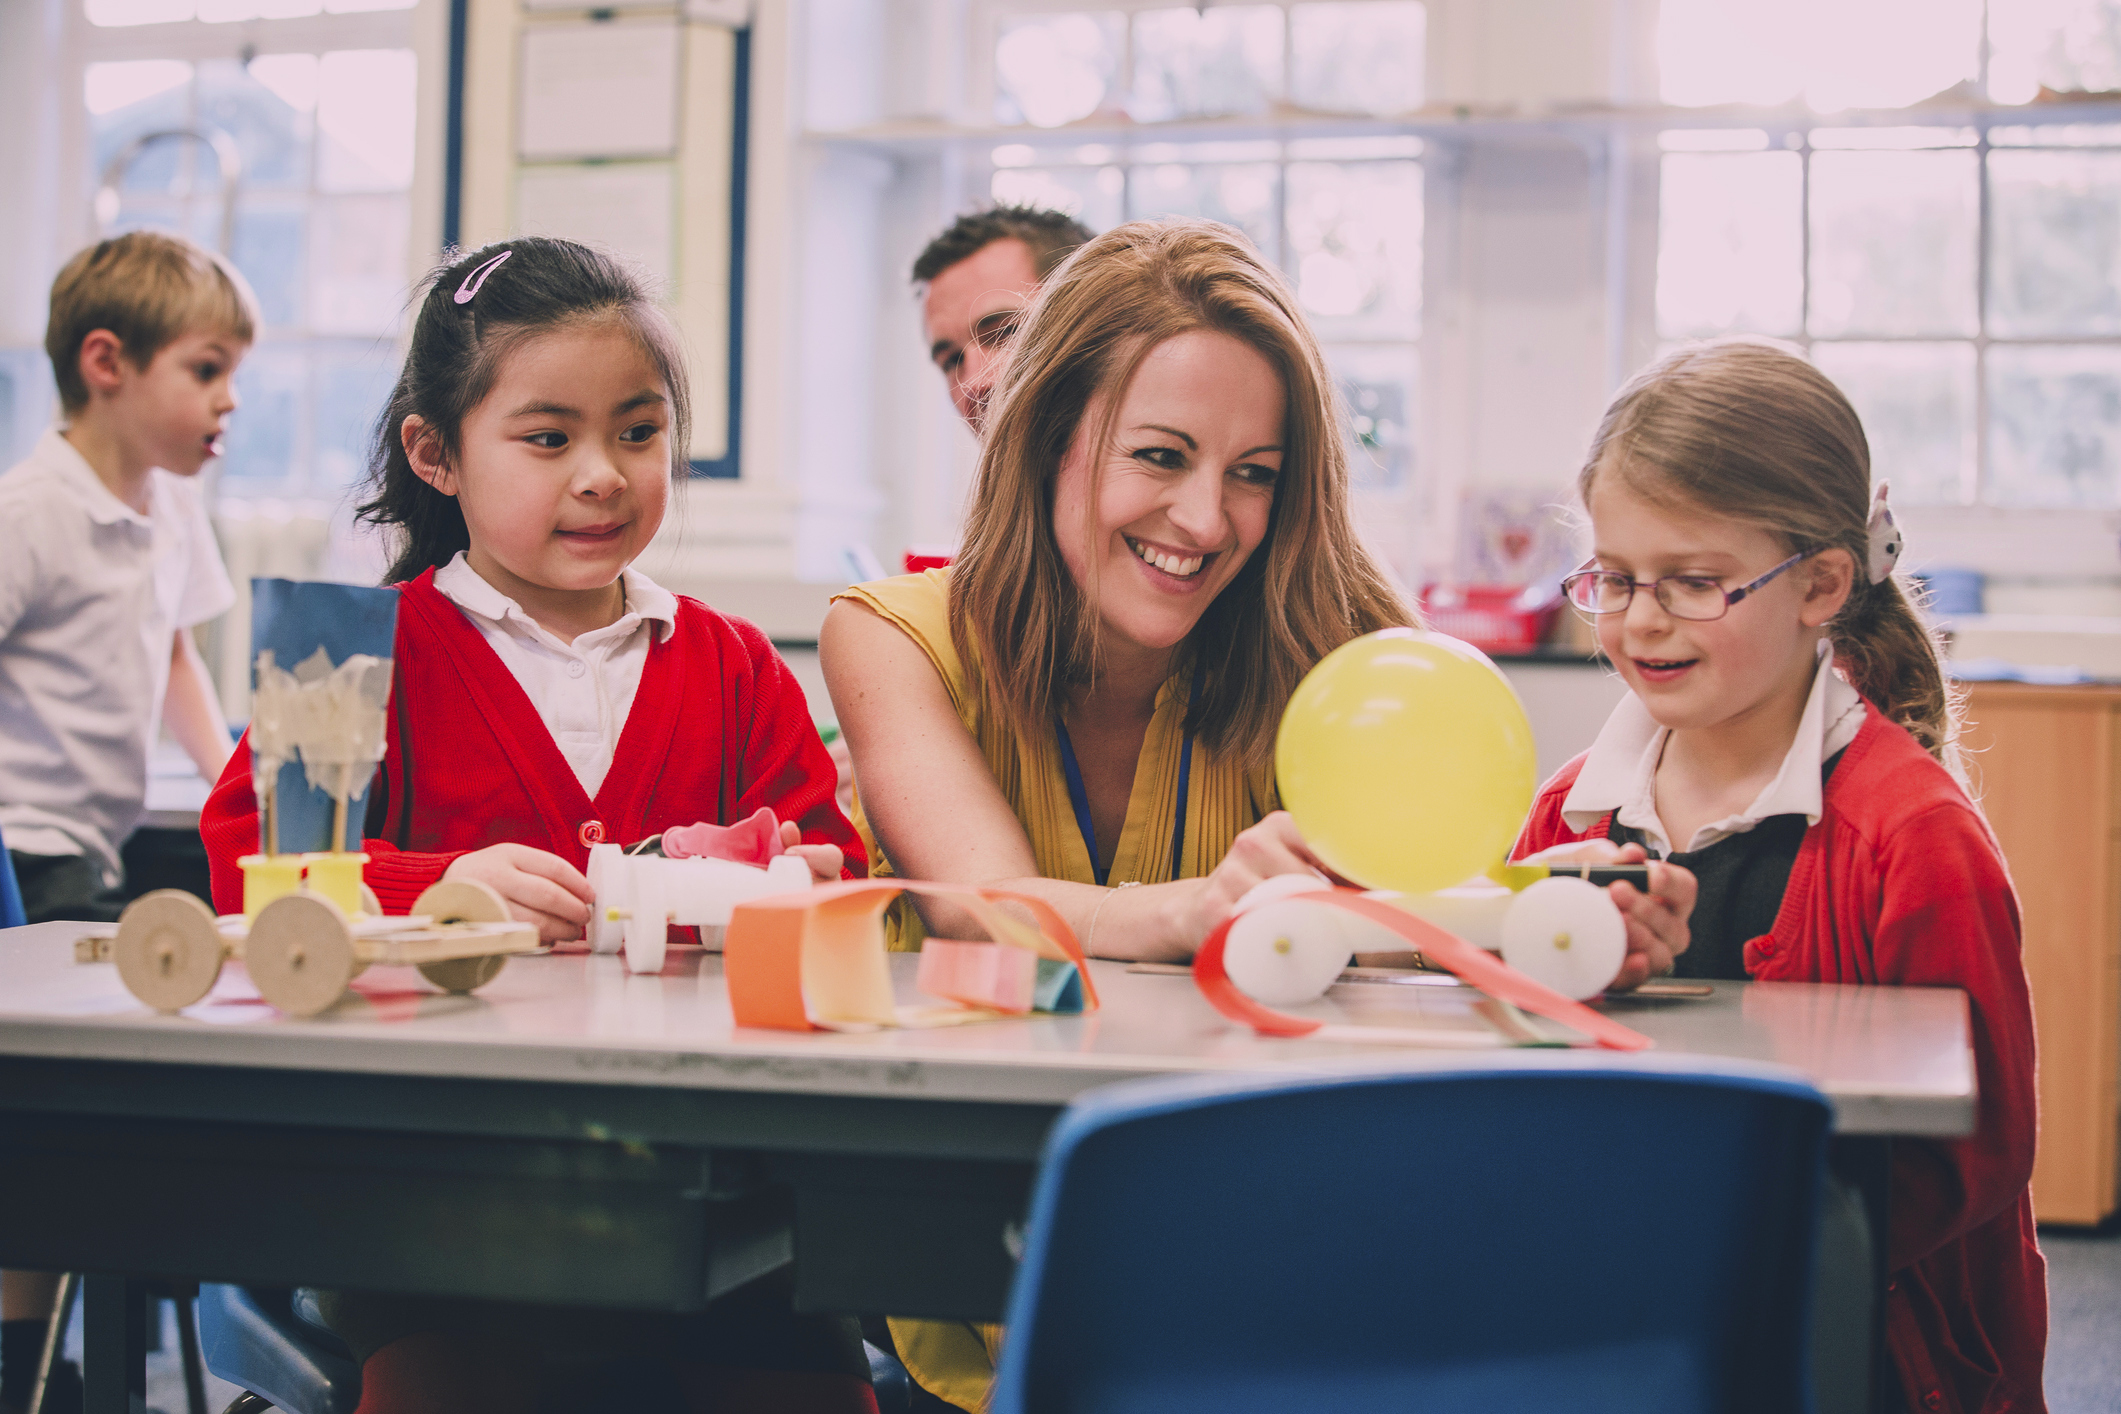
1962	283
313	102
1342	216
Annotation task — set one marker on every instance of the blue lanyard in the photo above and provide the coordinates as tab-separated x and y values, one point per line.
1079	795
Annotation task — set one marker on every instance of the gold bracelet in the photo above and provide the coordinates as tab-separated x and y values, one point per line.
1090	943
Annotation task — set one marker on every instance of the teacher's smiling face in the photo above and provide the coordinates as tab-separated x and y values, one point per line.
1179	498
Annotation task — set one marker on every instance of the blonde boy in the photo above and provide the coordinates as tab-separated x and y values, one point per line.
107	559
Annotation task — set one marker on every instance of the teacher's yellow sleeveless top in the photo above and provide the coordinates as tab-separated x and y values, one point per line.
954	1360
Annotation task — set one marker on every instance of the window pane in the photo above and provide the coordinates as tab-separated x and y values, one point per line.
263	434
1893	243
358	264
270	121
1355	246
200	220
128	99
137	12
270	253
1202	63
2056	135
2054	426
1899	139
1378	386
1241	195
1092	195
1833	53
1729	244
2055	243
1054	69
2065	45
1917	406
225	11
352	382
365	106
1357	58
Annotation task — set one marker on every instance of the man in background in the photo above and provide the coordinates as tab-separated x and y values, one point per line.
975	281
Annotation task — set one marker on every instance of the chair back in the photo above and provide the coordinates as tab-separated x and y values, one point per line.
254	1338
11	914
1545	1232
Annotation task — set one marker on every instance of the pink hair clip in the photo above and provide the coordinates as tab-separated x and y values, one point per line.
477	278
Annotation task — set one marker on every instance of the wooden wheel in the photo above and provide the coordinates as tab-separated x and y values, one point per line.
300	953
464	974
168	950
462	901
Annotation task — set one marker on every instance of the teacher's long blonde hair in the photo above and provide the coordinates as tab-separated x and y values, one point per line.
1015	610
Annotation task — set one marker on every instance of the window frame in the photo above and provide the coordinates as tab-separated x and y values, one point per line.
196	41
1795	137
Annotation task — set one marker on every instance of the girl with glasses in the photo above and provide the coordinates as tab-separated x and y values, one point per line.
1787	741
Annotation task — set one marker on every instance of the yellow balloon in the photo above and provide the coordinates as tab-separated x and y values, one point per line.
1406	760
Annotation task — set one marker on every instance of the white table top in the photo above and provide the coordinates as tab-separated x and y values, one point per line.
1894	1061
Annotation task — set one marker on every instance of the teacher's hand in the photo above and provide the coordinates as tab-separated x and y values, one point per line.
1271	847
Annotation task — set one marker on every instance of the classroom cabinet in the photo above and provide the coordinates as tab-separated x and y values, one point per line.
2045	763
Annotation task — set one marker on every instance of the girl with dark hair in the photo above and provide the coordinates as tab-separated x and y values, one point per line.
1789	741
541	685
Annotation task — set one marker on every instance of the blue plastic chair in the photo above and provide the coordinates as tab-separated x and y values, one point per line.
257	1340
11	913
1549	1232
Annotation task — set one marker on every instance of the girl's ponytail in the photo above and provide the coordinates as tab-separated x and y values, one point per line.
1895	660
1748	429
476	309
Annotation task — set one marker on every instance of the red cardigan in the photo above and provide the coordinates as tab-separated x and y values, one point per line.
1901	884
718	729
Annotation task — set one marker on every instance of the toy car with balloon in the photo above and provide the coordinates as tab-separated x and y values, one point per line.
1407	763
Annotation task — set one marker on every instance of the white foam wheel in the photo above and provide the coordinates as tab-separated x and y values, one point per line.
1286	952
1567	934
300	953
168	950
608	874
648	926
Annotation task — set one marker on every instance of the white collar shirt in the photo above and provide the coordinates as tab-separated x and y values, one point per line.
92	594
584	690
1620	773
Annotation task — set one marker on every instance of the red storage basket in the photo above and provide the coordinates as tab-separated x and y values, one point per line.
1493	618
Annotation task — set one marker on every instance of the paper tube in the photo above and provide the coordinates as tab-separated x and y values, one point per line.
816	960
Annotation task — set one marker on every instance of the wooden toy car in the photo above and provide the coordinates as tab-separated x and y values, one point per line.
302	950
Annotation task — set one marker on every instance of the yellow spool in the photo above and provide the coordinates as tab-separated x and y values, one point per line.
338	878
267	877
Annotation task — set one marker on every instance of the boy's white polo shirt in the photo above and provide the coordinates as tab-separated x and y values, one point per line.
1620	773
92	594
583	690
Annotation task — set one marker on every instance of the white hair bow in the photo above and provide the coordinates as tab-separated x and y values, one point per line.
1886	539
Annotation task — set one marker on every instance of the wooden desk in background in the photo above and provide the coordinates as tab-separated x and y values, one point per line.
2046	766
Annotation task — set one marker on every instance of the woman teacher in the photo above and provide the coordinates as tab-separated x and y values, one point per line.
1158	551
